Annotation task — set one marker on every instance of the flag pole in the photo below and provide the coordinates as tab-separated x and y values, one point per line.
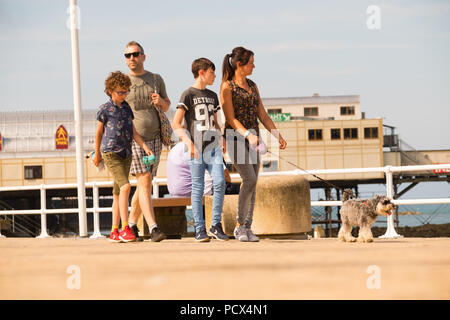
78	119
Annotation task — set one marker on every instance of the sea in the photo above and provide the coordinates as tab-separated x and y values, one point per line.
427	213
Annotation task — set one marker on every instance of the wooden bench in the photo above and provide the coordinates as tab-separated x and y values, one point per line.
170	215
172	202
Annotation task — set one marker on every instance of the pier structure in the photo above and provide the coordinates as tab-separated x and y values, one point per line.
331	132
322	132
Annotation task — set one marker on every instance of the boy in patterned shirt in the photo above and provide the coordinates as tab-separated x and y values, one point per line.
115	133
199	106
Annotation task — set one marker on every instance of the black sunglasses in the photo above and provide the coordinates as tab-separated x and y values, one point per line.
134	54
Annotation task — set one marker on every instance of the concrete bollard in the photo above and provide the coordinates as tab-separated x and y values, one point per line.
282	207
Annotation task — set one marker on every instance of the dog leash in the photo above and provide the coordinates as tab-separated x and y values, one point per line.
306	171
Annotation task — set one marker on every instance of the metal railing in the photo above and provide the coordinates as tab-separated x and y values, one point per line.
96	209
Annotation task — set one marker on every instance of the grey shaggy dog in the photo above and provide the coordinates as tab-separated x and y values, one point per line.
362	213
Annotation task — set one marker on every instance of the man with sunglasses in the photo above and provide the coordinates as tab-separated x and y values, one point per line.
147	92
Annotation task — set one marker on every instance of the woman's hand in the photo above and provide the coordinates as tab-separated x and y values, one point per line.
282	142
253	140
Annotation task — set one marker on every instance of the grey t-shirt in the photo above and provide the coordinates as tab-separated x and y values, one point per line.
146	119
200	106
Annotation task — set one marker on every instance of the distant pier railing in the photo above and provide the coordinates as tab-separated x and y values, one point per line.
96	209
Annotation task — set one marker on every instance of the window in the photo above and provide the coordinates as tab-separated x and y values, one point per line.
33	172
314	111
347	110
315	134
351	133
371	133
273	110
335	134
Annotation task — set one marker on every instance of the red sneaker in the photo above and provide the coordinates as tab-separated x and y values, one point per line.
127	235
114	237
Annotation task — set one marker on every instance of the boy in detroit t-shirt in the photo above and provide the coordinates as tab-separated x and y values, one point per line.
198	107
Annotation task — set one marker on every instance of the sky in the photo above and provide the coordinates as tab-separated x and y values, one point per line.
401	70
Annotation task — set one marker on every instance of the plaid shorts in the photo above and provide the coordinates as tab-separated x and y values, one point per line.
137	166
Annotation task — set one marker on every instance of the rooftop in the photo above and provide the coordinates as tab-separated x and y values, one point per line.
315	99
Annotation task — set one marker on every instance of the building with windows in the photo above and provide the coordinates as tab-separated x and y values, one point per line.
328	132
316	107
322	132
39	148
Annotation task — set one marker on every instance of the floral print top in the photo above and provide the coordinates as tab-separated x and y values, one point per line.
245	105
118	128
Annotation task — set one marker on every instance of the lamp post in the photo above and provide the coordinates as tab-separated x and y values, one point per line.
78	119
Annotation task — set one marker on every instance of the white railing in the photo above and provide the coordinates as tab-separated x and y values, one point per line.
96	209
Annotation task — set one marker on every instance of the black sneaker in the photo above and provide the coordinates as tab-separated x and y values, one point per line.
217	232
158	235
135	231
201	236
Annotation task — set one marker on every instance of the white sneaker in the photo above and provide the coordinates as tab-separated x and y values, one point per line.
251	236
240	233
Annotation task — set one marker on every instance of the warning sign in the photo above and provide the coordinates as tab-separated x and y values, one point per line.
62	138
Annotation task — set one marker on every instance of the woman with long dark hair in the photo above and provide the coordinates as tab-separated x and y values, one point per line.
243	107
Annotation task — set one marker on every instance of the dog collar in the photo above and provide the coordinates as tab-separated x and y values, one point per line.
365	202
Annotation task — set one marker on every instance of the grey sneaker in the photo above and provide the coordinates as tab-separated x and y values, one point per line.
240	233
217	232
251	236
201	236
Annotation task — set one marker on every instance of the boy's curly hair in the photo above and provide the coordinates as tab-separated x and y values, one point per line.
117	79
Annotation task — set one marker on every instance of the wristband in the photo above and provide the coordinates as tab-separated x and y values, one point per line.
246	133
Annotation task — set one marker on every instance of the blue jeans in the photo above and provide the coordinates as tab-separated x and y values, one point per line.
211	160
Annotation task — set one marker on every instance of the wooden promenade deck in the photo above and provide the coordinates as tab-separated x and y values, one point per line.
408	268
